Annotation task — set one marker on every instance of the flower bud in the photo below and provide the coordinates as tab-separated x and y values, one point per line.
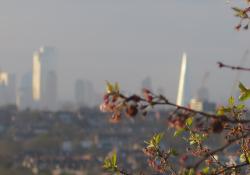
131	111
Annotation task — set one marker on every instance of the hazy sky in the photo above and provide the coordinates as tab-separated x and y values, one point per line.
125	41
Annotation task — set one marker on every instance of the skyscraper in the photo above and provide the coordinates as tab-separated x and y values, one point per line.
84	93
44	78
36	77
25	95
181	96
79	93
7	88
50	96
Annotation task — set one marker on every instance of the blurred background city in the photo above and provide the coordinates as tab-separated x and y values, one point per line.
55	57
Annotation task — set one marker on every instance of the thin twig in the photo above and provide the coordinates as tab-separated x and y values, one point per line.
222	65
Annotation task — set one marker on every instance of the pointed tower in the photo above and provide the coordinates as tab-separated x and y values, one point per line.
182	81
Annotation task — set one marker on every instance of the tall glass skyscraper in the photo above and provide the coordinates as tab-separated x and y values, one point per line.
44	80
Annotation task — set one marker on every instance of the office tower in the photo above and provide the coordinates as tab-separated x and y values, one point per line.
4	78
50	96
182	89
36	78
12	90
7	88
79	93
84	93
25	99
44	78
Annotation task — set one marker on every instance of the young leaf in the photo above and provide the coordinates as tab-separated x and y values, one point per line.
189	121
109	87
243	157
158	138
173	152
114	159
231	101
242	87
155	140
191	172
220	111
240	106
116	87
179	132
205	170
110	163
244	92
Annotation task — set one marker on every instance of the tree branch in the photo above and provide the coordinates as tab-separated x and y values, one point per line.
222	65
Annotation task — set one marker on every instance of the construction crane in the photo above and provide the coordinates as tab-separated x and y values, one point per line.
203	91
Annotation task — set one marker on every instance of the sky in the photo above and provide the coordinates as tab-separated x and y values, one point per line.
126	41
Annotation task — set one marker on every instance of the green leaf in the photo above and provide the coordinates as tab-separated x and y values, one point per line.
114	159
191	171
173	152
243	157
155	140
158	138
189	121
231	101
242	87
244	96
205	170
244	92
236	9
109	87
110	163
240	106
116	87
192	142
220	111
179	132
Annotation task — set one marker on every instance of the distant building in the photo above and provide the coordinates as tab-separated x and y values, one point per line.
182	95
4	78
36	77
50	96
203	94
196	104
25	99
200	105
209	106
79	93
84	93
44	79
7	89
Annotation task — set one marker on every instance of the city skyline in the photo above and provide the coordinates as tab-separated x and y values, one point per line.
125	42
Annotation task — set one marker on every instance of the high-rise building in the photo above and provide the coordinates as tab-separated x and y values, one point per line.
3	78
25	99
84	93
7	88
44	79
50	96
12	90
36	77
182	89
79	93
